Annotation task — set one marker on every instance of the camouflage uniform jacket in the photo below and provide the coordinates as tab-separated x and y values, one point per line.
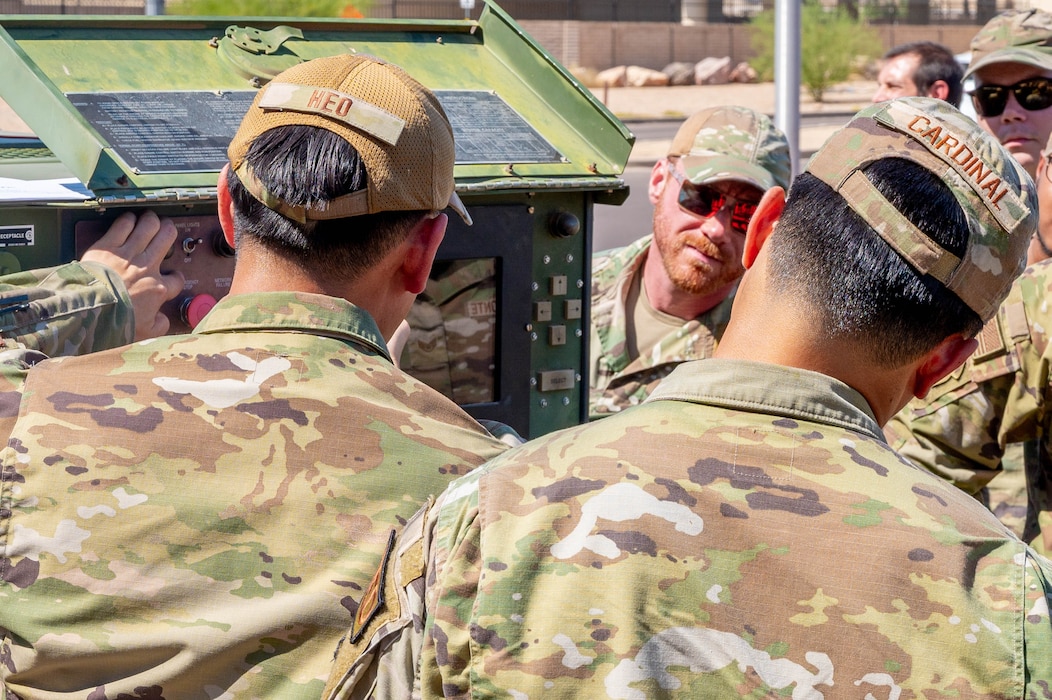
960	430
66	310
616	379
452	342
198	516
746	532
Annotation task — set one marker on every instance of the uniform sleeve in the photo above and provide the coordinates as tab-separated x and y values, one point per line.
72	309
454	572
1037	626
380	654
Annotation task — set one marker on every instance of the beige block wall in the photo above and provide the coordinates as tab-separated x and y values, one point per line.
602	45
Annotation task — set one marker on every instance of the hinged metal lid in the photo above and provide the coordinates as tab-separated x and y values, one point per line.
143	107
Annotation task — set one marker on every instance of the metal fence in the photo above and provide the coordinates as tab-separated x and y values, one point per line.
689	11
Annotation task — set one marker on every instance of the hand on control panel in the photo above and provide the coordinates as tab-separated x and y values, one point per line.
134	247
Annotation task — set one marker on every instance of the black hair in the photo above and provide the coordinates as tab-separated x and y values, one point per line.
935	62
307	166
858	287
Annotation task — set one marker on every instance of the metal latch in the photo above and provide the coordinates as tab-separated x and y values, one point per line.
260	55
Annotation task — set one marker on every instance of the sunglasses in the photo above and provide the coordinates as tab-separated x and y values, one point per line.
706	202
1032	94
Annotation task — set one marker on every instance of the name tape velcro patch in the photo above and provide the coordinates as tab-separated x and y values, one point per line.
335	105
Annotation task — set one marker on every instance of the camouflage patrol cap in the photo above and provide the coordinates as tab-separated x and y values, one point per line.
732	143
997	195
1015	36
396	124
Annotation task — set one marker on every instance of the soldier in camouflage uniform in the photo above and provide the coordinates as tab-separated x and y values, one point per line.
452	341
651	312
1011	65
199	516
746	531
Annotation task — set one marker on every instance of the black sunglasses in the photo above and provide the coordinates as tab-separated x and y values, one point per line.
1032	94
706	202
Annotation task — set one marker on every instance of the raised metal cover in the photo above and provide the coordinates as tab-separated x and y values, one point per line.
142	107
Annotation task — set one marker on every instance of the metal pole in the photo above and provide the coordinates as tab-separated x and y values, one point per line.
155	7
787	74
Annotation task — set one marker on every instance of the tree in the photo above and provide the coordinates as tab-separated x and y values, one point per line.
270	8
831	45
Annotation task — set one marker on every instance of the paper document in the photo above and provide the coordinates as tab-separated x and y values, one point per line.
64	189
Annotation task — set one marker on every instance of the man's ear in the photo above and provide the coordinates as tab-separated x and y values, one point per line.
226	205
420	254
939	89
947	356
659	176
761	226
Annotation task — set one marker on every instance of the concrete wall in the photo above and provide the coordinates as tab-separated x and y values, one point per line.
602	45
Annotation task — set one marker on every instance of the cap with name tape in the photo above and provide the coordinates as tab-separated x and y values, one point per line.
997	195
396	124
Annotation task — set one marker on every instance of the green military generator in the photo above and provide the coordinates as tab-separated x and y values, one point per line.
137	113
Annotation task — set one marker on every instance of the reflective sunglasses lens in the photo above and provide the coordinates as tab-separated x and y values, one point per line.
741	215
700	200
990	100
1033	95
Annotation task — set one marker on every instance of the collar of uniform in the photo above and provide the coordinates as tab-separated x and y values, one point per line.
772	389
294	312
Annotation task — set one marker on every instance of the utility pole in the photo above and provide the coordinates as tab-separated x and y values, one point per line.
787	74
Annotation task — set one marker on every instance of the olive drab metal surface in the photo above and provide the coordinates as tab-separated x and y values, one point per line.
137	113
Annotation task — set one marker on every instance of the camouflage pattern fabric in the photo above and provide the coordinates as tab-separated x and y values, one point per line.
199	516
453	331
744	533
1006	493
616	379
66	310
962	428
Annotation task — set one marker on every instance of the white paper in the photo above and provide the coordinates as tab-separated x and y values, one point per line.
60	190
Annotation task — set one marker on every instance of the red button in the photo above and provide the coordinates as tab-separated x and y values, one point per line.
195	309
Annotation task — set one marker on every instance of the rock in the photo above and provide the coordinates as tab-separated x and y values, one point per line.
612	77
743	73
712	71
679	73
637	76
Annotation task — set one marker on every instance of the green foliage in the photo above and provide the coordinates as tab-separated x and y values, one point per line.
831	45
270	8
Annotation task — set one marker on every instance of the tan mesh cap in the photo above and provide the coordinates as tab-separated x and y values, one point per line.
732	143
998	197
396	124
1015	36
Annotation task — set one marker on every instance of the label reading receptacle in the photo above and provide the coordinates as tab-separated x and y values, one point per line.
16	236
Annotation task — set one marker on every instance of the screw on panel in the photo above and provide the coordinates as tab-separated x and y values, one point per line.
438	40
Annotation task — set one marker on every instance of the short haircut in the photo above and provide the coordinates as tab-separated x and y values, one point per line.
307	165
935	62
856	285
